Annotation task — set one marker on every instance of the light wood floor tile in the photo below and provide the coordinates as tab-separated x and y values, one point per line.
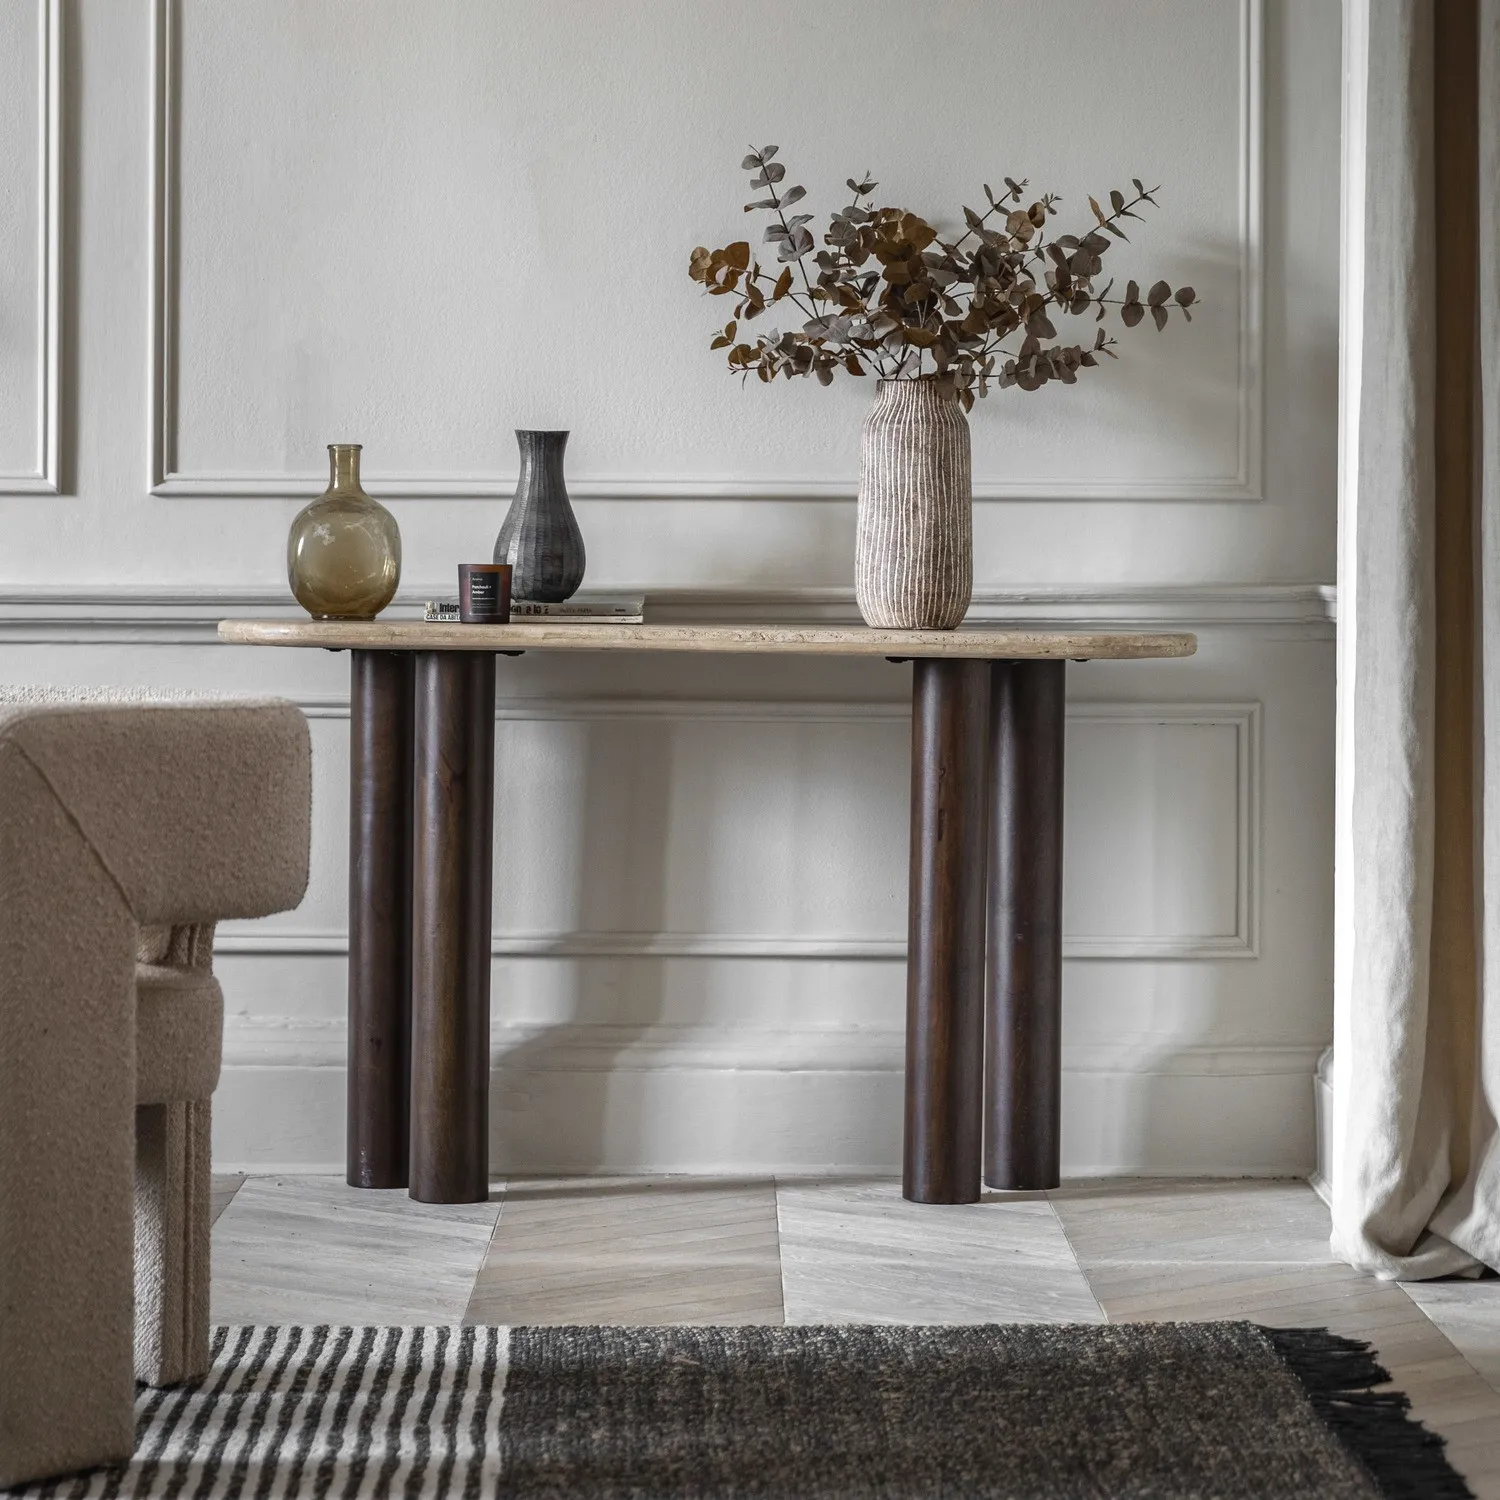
225	1186
1449	1395
314	1250
1275	1222
1259	1250
623	1250
855	1251
1468	1313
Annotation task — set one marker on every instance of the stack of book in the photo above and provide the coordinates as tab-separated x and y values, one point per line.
581	609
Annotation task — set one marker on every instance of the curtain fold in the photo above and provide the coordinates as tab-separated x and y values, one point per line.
1416	1168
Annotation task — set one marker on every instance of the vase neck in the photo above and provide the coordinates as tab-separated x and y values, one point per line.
925	392
541	453
343	466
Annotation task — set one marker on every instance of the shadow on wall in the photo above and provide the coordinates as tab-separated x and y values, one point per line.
635	828
595	1120
609	1061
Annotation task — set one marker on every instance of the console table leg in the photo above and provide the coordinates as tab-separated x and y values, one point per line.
945	963
380	705
453	802
1023	1083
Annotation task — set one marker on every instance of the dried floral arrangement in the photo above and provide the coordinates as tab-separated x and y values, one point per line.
890	295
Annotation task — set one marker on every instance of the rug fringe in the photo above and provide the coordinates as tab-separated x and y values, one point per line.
1403	1457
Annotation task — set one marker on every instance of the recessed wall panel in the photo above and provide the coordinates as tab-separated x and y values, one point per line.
421	229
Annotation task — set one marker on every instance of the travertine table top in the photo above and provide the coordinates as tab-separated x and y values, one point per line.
983	641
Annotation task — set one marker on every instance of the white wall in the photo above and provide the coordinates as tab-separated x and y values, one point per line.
234	232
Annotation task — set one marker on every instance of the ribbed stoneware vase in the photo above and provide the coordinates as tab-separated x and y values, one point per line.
914	539
540	538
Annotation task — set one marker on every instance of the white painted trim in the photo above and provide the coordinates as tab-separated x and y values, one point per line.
534	1047
162	292
269	942
305	485
267	939
134	614
1072	1177
1355	106
45	478
1252	198
1325	1065
166	480
1323	1114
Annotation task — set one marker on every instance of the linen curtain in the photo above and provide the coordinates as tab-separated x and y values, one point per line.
1416	1153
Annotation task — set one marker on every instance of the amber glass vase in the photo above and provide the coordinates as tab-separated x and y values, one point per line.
343	555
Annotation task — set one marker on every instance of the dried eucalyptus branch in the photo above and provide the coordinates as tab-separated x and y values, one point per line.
889	294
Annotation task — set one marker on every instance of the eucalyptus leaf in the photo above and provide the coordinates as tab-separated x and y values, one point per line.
887	294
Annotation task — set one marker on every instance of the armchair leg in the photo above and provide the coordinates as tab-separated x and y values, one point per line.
172	1230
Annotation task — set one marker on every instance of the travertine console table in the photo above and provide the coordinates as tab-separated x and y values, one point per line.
983	1080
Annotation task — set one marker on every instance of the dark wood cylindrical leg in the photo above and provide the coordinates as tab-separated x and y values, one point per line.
945	924
1023	1074
453	820
380	728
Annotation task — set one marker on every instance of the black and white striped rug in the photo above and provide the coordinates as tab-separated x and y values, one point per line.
321	1411
1165	1410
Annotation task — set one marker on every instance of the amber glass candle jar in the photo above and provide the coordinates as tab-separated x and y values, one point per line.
343	554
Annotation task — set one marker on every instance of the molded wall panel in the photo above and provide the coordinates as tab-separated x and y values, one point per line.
240	231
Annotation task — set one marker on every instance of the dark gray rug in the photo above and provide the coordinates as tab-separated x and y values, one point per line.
1030	1412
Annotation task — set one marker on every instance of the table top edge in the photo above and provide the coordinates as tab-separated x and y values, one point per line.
976	641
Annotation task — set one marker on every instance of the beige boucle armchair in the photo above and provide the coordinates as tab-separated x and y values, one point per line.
126	831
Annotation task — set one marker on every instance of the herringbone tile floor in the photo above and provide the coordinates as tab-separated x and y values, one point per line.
697	1250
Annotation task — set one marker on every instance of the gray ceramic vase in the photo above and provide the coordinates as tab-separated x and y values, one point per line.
914	532
540	538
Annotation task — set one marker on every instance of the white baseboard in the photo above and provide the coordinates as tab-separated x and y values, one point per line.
289	1043
720	1100
1322	1178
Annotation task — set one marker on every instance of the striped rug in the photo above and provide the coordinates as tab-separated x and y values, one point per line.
326	1412
1041	1411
